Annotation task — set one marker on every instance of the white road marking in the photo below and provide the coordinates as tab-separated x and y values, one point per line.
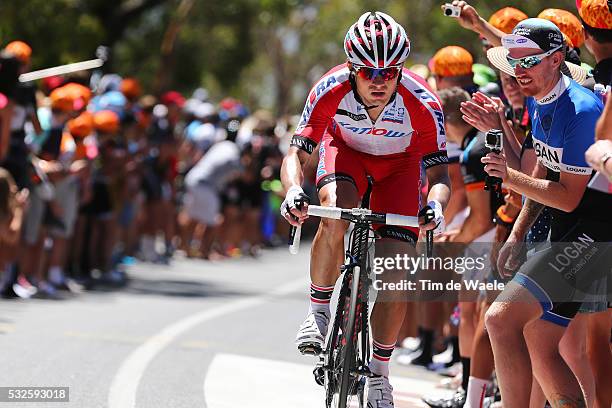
240	381
124	386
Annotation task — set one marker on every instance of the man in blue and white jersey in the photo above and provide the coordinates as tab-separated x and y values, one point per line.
531	315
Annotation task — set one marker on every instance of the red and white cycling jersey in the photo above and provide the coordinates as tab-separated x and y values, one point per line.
412	122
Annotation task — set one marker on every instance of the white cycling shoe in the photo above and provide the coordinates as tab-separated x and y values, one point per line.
312	332
379	392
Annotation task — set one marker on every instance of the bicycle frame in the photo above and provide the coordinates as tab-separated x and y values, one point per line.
343	364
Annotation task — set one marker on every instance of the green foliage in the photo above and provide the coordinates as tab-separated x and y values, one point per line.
267	52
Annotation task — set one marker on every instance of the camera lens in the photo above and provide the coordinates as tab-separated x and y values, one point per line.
448	12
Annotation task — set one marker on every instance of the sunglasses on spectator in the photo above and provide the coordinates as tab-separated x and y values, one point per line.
531	60
367	73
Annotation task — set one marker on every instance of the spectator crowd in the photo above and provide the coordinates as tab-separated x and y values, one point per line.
97	174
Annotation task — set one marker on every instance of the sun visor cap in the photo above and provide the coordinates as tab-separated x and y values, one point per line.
544	34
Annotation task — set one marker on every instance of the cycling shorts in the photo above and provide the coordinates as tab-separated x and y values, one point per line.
396	186
563	274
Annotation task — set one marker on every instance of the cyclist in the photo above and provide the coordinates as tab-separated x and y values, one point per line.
564	116
368	116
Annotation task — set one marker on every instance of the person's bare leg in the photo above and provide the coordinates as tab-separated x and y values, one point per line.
557	380
537	398
390	308
505	322
110	241
327	251
600	355
466	328
408	328
573	350
36	259
482	363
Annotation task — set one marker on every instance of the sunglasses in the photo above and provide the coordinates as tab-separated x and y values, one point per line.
367	73
530	61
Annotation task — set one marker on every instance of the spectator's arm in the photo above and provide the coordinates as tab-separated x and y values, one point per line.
603	129
5	129
471	20
14	230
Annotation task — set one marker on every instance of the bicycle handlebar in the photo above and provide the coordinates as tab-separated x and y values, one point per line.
351	215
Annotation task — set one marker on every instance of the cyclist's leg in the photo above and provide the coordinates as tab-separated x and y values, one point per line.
555	287
505	321
395	190
573	350
598	348
552	372
340	181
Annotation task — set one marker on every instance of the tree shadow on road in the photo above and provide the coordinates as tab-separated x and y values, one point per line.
174	288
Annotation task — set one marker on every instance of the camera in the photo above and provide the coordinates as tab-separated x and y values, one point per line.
451	11
494	140
494	143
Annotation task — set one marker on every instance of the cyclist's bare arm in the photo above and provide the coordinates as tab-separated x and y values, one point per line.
292	174
439	188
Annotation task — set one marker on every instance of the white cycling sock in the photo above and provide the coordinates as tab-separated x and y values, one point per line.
381	355
476	392
320	297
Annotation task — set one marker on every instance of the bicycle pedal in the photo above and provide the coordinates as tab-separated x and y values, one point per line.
319	375
310	349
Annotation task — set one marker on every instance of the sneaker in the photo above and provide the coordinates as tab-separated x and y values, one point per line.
312	332
411	344
69	285
114	277
46	291
380	392
451	371
415	358
445	357
23	288
457	400
451	383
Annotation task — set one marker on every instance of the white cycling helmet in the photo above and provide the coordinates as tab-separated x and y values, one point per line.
376	41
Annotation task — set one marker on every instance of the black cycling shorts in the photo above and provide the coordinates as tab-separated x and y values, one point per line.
562	275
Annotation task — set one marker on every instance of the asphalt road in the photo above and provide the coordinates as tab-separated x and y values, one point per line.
191	334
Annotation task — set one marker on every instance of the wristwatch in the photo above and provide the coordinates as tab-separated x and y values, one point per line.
604	158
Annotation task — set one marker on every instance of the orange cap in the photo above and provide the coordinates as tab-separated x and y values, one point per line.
595	13
106	121
79	93
130	87
452	61
20	50
82	125
507	18
62	100
567	23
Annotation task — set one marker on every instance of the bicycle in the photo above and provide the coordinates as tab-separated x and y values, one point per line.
343	364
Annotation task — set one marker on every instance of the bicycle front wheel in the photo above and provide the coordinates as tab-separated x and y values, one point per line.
349	378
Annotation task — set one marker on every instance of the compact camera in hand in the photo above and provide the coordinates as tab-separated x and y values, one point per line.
451	11
494	142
